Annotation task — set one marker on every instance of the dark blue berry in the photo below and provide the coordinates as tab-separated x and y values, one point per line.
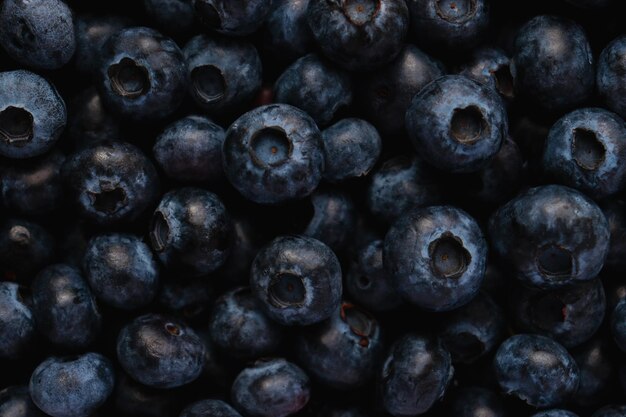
333	219
611	411
92	32
15	402
209	408
89	121
595	361
618	324
476	402
611	75
25	248
17	324
288	35
491	67
174	17
233	17
555	413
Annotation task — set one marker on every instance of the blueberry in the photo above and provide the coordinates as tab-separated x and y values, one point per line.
611	75
191	299
270	388
32	114
141	74
92	32
552	64
555	413
89	121
15	402
223	74
595	362
457	124
160	351
359	35
551	236
618	324
190	150
415	375
402	183
240	328
132	398
247	241
333	219
386	94
569	315
288	35
586	150
491	67
330	411
615	213
297	279
436	257
274	154
344	351
476	402
25	248
37	33
17	325
111	182
449	24
209	408
121	270
367	281
64	307
611	411
233	17
34	187
174	17
72	386
351	149
315	86
474	330
536	369
191	230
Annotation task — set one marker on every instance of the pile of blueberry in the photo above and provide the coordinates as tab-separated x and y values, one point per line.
313	208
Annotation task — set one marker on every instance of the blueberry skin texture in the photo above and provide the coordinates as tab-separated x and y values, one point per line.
17	324
233	17
223	74
240	328
312	84
89	121
25	248
536	369
65	309
569	315
15	402
476	402
297	279
344	351
386	93
271	388
72	386
436	257
111	182
491	67
402	183
359	37
615	212
191	231
553	64
551	236
32	114
618	324
142	74
457	124
351	149
555	413
209	408
611	76
611	411
287	33
121	270
586	149
414	376
92	32
33	187
160	351
448	24
174	17
273	154
474	330
596	364
333	219
37	33
367	281
190	150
